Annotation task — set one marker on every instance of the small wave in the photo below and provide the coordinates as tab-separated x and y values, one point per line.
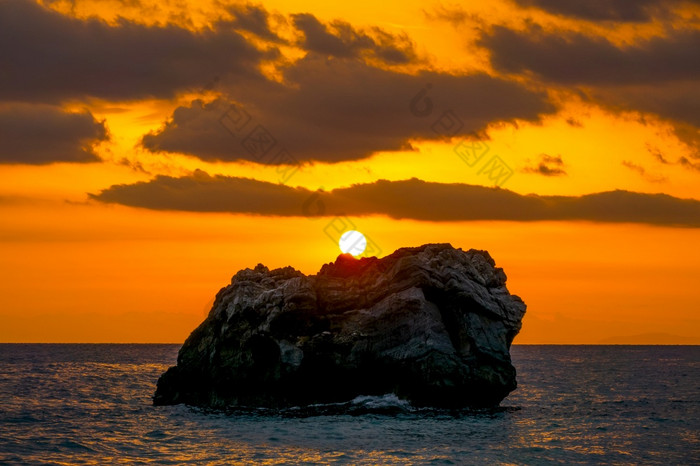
388	401
388	404
383	405
75	446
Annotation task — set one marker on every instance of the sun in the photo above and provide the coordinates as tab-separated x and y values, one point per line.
353	242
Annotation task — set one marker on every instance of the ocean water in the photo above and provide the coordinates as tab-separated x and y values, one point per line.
91	404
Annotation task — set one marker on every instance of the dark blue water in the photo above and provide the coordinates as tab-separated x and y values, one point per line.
91	404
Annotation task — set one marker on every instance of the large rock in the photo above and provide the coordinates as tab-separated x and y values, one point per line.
431	324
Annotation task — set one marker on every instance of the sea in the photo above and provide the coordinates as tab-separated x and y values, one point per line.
91	404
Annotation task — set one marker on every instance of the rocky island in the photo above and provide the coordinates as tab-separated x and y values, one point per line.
431	324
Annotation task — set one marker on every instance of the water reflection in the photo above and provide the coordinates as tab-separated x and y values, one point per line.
91	405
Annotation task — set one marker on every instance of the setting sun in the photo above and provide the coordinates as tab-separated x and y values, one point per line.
352	242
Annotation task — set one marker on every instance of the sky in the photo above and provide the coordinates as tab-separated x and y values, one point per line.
151	149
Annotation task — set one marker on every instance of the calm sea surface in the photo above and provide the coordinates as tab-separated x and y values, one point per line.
91	404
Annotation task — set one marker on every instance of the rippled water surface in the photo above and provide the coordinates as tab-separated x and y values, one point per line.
66	404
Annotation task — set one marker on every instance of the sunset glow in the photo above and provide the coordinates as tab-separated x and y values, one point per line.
158	148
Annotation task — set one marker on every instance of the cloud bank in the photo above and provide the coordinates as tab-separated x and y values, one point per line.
408	199
41	134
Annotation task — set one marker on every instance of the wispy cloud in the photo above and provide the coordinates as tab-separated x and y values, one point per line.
548	165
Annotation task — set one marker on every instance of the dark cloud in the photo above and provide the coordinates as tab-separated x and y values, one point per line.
328	108
203	193
657	154
340	39
690	135
548	165
677	101
689	164
660	75
413	199
41	134
47	56
344	109
334	104
604	10
252	18
663	160
577	58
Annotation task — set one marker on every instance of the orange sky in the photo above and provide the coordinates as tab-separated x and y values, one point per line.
74	269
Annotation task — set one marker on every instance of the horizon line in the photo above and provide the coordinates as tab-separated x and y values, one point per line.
178	343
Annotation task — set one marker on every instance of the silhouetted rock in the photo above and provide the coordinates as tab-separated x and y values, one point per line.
431	324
